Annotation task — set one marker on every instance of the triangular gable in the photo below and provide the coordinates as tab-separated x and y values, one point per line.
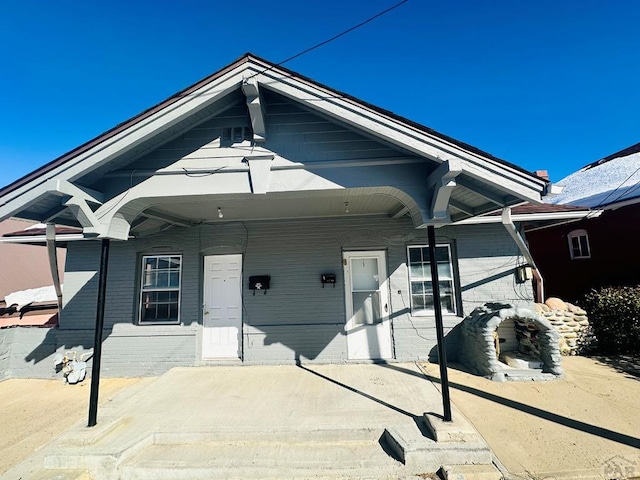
214	94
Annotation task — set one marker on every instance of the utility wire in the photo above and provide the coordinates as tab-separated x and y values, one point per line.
332	38
614	191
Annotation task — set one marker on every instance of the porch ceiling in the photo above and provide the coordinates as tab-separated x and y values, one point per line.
247	207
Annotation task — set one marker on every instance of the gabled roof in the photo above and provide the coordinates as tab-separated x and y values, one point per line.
208	79
609	182
486	182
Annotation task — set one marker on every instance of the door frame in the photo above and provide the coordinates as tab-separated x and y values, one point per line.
385	299
240	354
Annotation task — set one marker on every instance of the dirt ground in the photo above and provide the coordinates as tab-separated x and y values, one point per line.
586	424
33	412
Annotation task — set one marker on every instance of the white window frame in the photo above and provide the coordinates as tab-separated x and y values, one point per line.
577	235
452	280
145	289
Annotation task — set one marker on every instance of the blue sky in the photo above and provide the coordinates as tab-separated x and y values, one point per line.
547	84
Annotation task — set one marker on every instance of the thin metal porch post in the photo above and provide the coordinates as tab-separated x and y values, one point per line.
97	342
442	354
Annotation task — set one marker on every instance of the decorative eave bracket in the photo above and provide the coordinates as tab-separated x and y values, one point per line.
254	104
78	203
442	181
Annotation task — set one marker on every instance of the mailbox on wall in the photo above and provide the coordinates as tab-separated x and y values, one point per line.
329	278
259	282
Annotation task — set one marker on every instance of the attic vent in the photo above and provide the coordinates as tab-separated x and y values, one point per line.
235	135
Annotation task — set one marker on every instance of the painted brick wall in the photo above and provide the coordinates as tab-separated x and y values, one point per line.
297	318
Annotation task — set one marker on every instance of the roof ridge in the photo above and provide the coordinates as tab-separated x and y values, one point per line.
625	152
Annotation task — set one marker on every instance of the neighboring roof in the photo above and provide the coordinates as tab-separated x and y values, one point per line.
529	208
529	212
24	266
41	229
193	88
42	315
609	182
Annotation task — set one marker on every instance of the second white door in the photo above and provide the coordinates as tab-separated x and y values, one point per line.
368	327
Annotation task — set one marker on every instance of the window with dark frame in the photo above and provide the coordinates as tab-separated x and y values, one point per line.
579	244
421	284
160	289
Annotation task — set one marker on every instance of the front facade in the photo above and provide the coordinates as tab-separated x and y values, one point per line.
260	217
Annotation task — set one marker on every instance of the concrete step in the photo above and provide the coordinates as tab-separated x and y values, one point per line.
317	454
358	453
419	452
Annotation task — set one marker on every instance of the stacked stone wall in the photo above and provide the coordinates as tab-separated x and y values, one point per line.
570	322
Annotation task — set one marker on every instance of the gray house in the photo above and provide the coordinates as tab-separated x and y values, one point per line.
260	217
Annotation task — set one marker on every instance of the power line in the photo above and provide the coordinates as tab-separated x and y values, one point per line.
332	38
614	191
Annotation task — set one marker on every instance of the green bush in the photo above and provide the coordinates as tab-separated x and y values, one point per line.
614	315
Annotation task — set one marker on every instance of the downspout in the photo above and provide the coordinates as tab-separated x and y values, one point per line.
53	264
524	250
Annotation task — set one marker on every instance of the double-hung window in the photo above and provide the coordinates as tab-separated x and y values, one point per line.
579	244
160	289
421	284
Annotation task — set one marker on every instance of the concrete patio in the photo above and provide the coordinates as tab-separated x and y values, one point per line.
329	421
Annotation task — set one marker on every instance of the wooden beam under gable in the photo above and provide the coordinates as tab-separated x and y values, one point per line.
256	110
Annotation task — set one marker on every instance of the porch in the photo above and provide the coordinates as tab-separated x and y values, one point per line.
320	421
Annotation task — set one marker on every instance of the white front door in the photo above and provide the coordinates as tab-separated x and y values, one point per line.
368	327
222	315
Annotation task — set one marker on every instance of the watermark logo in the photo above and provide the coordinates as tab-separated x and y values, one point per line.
620	468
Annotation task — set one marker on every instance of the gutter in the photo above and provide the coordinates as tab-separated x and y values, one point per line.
532	217
524	250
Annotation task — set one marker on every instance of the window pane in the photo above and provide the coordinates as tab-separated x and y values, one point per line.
444	270
414	255
447	303
416	271
150	263
366	308
442	254
417	302
364	274
417	287
162	279
428	303
584	247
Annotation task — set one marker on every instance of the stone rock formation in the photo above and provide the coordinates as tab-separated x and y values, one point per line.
570	321
478	341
